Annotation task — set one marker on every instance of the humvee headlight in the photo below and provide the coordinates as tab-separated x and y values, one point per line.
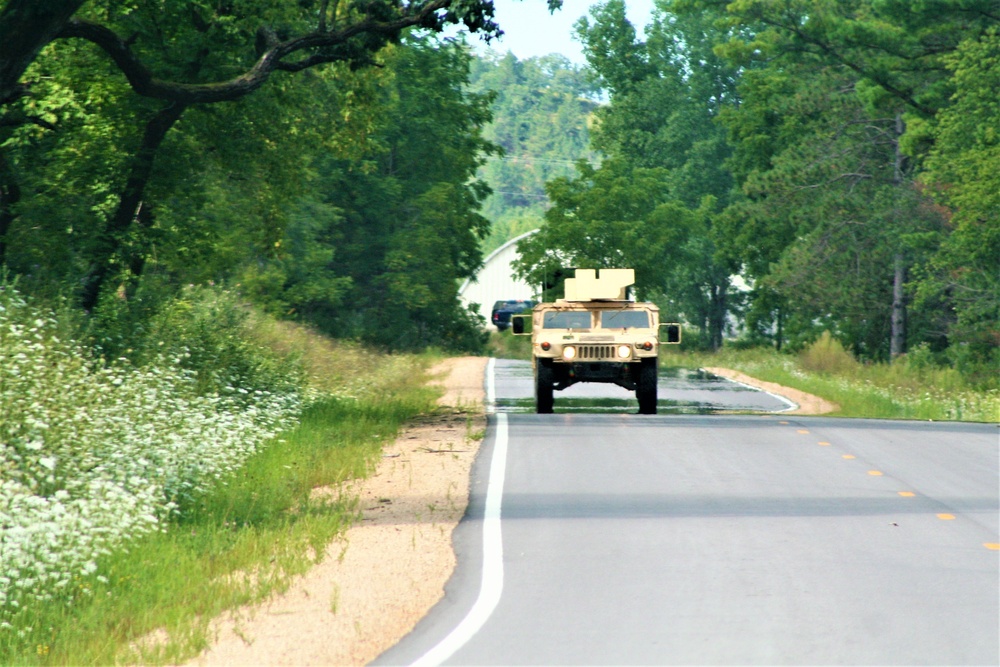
546	346
569	352
624	351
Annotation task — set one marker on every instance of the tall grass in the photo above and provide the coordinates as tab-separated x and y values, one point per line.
910	388
140	498
505	345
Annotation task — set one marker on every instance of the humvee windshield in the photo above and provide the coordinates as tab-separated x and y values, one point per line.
566	319
624	319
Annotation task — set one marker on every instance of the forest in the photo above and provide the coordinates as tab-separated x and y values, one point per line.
772	170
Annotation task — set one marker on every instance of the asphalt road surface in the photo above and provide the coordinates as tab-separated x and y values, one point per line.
604	537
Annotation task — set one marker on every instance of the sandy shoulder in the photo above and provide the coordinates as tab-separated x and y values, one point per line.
389	569
808	403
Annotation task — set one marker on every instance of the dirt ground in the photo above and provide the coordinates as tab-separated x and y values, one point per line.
390	569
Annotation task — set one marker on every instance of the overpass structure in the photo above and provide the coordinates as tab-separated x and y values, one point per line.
495	281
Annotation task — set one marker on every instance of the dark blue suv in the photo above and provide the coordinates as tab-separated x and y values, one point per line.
502	310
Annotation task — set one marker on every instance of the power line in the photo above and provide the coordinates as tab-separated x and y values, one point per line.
531	158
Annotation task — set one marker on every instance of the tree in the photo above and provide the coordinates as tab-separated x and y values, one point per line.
209	43
399	227
541	113
888	58
653	204
964	172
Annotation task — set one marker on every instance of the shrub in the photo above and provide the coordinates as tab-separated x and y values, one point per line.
211	333
827	355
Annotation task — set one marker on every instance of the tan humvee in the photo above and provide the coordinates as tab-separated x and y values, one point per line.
595	334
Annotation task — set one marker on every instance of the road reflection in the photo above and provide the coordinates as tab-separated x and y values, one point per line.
680	391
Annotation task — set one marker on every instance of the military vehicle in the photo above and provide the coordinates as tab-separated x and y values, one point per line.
595	334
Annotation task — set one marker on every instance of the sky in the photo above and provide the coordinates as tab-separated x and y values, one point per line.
529	29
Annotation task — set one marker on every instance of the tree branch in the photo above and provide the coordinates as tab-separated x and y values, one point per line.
332	46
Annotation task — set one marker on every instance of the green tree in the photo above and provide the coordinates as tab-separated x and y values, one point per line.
183	55
541	112
653	204
852	88
399	228
964	172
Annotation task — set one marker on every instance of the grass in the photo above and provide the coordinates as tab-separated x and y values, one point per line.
505	345
240	544
901	390
236	540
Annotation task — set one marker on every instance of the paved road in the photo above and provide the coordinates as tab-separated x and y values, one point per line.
722	539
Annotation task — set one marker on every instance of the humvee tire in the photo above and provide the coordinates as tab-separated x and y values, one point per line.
645	390
544	379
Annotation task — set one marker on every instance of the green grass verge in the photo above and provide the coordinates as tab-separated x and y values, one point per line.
505	345
239	544
876	391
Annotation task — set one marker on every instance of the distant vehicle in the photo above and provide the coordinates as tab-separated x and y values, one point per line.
596	334
502	310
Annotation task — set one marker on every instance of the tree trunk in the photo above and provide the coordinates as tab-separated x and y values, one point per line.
897	334
110	241
897	338
26	26
717	321
780	334
10	194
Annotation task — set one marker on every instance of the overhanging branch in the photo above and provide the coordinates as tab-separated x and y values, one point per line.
333	45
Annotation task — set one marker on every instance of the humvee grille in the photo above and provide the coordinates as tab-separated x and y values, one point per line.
590	352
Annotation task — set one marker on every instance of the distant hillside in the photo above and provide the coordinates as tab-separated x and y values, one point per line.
541	117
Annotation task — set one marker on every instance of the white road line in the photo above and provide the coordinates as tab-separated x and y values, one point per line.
492	585
491	385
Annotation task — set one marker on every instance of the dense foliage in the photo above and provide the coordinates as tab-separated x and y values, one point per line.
838	157
542	109
321	152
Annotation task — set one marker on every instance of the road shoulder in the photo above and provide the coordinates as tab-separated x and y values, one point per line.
808	404
382	577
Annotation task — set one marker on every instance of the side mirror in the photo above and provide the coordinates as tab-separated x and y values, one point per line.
673	334
517	325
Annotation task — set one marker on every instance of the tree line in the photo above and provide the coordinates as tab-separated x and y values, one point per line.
320	154
842	158
791	167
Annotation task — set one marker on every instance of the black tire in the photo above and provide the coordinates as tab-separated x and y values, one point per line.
543	387
645	389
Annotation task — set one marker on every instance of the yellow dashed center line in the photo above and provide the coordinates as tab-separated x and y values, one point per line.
803	431
907	494
825	444
946	517
995	546
849	456
875	473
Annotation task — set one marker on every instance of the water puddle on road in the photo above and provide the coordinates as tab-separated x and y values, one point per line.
681	391
605	405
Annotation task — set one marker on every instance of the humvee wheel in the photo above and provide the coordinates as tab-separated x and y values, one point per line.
645	390
543	387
